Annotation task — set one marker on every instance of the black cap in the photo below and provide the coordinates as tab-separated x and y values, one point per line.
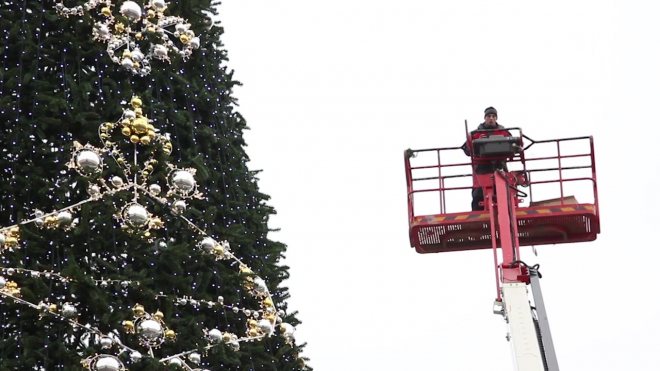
490	110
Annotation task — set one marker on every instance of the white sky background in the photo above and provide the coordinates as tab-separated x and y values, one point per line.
335	91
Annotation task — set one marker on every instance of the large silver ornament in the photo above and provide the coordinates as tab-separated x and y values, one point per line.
179	206
131	10
215	335
260	286
64	217
159	4
195	358
3	282
184	180
154	189
127	63
194	42
129	114
88	161
160	51
266	327
106	343
137	215
3	239
136	356
117	181
208	244
176	362
68	310
151	329
107	363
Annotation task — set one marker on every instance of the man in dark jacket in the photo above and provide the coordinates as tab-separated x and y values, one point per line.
485	166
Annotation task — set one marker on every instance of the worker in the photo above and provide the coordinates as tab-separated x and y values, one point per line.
485	166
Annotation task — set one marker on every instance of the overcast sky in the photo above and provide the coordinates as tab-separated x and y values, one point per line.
335	91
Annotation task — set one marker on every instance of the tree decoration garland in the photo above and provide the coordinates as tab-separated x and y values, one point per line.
136	29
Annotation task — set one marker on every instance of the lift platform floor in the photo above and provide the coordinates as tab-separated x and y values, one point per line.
541	225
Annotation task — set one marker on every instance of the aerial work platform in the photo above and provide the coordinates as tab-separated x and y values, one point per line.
551	221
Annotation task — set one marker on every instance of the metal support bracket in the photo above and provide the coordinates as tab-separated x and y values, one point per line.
544	325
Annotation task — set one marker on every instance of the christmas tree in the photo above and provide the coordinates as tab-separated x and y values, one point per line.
133	234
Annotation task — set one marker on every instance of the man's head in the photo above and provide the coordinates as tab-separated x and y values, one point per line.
490	115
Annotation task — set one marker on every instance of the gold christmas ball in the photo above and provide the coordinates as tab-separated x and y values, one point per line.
226	337
138	112
184	39
136	102
170	334
167	151
135	139
145	140
109	125
120	160
106	11
151	134
127	54
128	326
150	168
138	310
151	29
158	315
168	145
218	250
268	302
104	136
145	174
253	332
103	129
138	35
52	307
108	144
125	122
126	131
140	125
15	292
136	65
246	270
151	13
253	323
119	27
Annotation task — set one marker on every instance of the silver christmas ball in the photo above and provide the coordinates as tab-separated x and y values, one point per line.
195	358
154	188
131	10
64	217
137	55
88	160
176	362
181	27
221	300
2	240
150	329
117	181
137	215
159	4
11	271
266	327
69	310
127	63
184	180
208	244
215	335
160	50
179	206
136	356
260	285
194	42
94	190
106	343
103	30
3	282
287	329
235	345
129	114
107	363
